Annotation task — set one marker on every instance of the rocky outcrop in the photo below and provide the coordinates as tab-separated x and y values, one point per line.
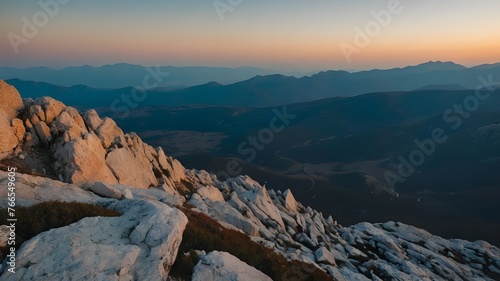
290	202
70	124
31	190
117	157
141	244
324	256
18	128
11	102
10	131
130	169
85	148
8	138
211	193
83	160
227	215
43	133
222	266
110	134
132	245
108	191
92	119
360	252
51	108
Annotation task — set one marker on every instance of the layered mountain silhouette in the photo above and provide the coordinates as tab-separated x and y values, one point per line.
264	90
346	146
126	75
342	146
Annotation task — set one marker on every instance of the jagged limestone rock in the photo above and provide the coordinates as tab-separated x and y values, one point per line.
83	160
141	244
10	100
211	193
8	138
131	168
18	128
51	107
92	119
222	266
110	134
43	133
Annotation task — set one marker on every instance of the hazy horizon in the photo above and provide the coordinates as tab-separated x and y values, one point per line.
283	36
305	72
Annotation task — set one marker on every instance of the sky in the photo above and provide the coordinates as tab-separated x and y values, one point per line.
286	35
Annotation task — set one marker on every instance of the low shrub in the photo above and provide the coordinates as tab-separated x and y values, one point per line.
47	215
204	233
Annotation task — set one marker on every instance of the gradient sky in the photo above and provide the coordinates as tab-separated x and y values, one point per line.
278	34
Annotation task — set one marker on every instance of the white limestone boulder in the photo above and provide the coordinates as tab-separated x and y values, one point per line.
83	160
110	134
225	214
35	113
51	107
10	100
92	119
141	244
211	193
8	138
290	202
18	128
43	133
176	171
131	167
155	194
73	112
31	190
222	266
68	122
260	203
324	256
105	190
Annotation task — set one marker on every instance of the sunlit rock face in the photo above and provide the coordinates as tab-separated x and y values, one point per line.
84	147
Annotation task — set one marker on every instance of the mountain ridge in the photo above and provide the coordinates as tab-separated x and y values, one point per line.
279	89
131	75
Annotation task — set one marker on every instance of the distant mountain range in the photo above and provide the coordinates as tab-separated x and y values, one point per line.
258	91
335	153
341	142
125	75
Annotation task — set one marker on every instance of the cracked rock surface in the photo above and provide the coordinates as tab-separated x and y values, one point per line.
141	244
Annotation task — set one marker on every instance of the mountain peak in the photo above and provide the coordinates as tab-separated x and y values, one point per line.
439	65
212	84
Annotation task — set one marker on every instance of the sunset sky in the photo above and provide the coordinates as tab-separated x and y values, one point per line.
279	34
